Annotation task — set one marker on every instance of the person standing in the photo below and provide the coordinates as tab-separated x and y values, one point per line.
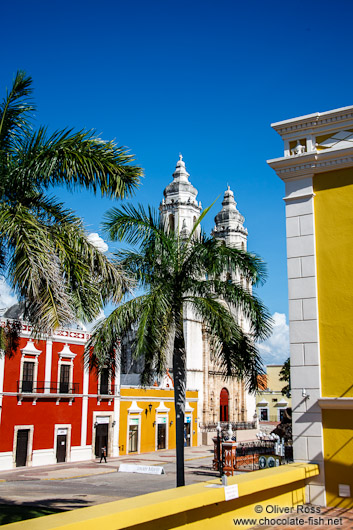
103	454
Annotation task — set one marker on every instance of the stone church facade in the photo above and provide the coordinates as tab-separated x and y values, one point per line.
220	399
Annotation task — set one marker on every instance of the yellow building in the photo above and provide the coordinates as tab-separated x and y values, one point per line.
317	169
147	419
270	402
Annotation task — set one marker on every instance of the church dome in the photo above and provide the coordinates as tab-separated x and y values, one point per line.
229	210
181	183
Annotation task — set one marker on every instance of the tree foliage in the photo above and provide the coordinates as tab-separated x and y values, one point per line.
44	249
285	376
178	275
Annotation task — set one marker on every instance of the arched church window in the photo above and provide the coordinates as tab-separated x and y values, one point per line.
224	405
171	222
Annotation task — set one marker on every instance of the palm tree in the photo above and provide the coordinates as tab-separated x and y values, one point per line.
176	272
44	249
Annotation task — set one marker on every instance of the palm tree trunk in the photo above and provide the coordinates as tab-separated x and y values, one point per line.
179	373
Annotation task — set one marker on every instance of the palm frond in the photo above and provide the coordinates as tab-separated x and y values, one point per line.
101	348
238	298
77	160
15	111
133	224
234	350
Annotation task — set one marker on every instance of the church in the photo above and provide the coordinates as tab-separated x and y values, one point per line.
220	399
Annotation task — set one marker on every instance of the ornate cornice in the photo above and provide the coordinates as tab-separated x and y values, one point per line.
308	164
318	121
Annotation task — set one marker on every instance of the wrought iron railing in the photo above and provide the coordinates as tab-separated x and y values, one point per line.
47	387
106	389
236	426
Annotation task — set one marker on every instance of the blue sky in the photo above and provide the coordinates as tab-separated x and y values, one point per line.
202	78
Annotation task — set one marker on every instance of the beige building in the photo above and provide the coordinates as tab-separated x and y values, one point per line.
270	402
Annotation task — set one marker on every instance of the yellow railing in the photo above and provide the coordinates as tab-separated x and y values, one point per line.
270	493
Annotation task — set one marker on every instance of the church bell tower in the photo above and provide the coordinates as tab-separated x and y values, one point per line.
179	207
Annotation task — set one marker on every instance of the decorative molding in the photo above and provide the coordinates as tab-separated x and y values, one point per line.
66	353
188	408
30	349
338	403
308	164
134	408
316	120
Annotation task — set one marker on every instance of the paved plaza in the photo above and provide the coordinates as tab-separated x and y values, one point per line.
79	484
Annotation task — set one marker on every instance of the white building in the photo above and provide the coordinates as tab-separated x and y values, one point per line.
219	399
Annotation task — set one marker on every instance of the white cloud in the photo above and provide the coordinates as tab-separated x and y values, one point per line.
7	298
97	241
275	350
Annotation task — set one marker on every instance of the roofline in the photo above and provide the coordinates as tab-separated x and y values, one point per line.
310	120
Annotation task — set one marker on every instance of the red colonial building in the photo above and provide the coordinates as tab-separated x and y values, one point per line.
52	409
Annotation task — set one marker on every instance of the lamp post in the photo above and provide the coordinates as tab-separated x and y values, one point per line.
219	451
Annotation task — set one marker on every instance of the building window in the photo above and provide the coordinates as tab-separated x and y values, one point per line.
28	376
104	387
281	414
64	381
171	222
264	414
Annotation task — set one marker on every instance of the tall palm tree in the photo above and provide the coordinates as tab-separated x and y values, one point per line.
44	249
176	272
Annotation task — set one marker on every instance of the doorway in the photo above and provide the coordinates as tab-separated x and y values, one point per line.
22	447
101	438
224	404
61	446
187	433
161	435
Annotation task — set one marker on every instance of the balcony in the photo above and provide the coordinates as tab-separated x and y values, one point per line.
47	389
106	391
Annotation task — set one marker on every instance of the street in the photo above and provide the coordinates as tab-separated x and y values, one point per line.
79	484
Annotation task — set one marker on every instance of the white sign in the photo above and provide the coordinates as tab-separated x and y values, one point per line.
62	431
344	490
231	492
149	470
102	419
161	420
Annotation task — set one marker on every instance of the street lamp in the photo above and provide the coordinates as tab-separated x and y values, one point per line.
219	455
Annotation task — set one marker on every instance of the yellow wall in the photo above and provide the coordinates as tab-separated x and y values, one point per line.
338	451
333	205
273	382
148	430
197	507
